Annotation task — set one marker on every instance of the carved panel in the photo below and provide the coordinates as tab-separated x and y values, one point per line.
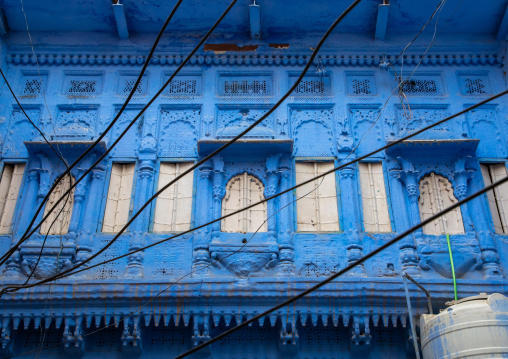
20	129
172	258
483	125
367	128
309	126
114	269
411	119
178	132
233	117
321	257
76	123
129	144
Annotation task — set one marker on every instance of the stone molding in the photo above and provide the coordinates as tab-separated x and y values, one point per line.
252	59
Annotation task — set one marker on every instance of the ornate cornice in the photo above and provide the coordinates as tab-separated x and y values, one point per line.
254	59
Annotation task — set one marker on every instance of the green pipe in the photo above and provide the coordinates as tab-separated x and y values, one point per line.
453	269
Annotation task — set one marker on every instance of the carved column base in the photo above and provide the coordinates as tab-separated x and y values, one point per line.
286	266
135	261
201	265
491	268
354	253
409	260
134	270
13	266
82	254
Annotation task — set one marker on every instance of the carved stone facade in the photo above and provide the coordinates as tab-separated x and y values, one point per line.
179	290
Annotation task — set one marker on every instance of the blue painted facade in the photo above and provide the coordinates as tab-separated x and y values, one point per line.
80	78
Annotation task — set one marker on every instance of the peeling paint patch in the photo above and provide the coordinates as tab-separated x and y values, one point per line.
279	46
223	48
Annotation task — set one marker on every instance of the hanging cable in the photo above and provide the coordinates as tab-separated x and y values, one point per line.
345	270
231	254
327	280
229	143
420	32
96	142
393	143
126	129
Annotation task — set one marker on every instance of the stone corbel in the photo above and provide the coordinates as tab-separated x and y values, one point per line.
5	335
131	337
288	331
201	329
344	139
74	343
360	331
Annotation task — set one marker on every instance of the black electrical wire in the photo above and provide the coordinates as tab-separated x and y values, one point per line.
229	255
129	126
327	280
59	155
69	272
420	32
345	270
67	171
229	143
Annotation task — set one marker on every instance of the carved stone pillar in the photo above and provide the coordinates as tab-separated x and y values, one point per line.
489	255
273	178
407	246
286	266
90	215
79	196
462	175
201	257
218	192
409	176
13	264
140	224
44	186
351	219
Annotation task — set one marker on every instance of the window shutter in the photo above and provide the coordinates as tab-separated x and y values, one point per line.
498	172
9	192
242	191
306	204
118	201
61	215
328	215
375	206
317	201
494	210
173	208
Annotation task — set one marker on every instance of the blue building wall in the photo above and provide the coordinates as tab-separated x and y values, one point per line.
340	115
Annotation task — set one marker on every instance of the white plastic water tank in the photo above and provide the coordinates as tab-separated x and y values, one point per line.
474	327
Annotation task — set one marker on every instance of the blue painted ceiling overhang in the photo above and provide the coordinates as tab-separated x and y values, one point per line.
277	17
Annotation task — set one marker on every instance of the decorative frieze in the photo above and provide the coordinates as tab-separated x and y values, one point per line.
251	59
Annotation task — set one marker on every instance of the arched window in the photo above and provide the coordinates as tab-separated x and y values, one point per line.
63	219
242	191
436	194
